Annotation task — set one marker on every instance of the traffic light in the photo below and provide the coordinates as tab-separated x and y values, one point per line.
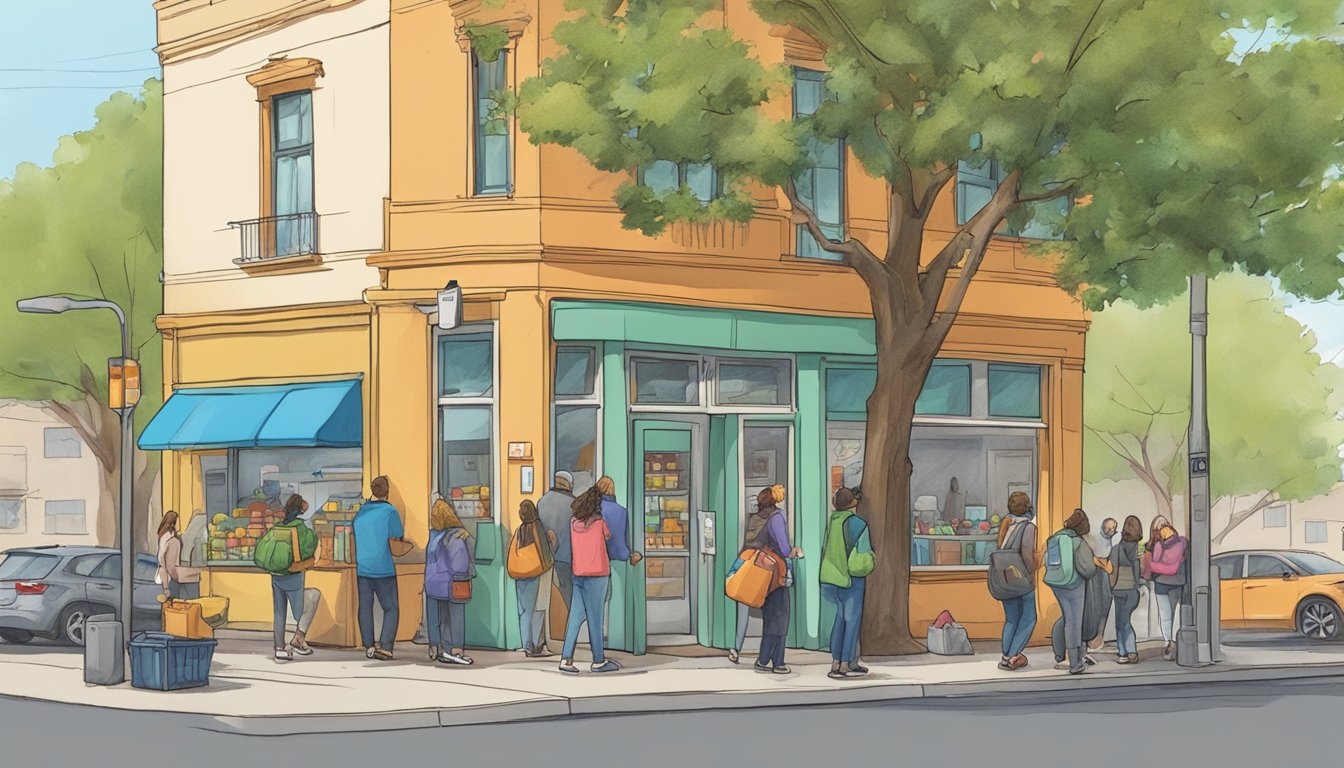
123	382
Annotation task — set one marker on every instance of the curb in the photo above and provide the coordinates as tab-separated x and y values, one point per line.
554	707
660	703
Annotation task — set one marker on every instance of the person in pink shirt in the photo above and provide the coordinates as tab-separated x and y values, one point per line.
592	572
1166	565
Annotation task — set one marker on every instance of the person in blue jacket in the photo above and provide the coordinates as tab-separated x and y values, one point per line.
376	523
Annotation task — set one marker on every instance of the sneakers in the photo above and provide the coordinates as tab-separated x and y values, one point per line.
538	653
734	656
857	668
1019	661
1169	652
1061	665
568	668
837	673
460	659
433	653
1006	664
782	669
759	667
1132	658
606	666
381	654
1089	661
282	654
1079	671
301	647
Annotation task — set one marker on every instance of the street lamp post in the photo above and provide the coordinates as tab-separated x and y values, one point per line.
55	305
1197	641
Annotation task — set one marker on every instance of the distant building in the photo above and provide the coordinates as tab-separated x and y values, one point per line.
1315	524
48	480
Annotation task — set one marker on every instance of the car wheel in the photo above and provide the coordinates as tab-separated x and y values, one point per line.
1319	619
71	624
15	636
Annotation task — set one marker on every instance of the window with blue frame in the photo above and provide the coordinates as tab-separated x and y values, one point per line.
491	132
665	176
976	184
946	392
292	173
1014	391
821	187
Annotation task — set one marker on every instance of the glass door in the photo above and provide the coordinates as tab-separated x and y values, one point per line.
766	461
667	477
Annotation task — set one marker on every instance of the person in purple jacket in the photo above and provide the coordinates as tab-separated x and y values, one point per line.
774	535
448	559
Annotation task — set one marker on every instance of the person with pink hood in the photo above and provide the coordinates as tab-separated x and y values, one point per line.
1167	569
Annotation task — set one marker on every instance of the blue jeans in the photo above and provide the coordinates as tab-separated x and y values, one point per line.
286	590
451	621
1070	635
1019	619
1126	640
385	589
529	618
589	603
848	602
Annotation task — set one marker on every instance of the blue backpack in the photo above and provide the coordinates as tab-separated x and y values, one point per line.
1059	561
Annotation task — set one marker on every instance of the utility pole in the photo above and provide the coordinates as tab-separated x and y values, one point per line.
1197	641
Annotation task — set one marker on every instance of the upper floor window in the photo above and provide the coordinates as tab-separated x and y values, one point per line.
60	443
1316	532
821	187
491	131
1276	516
976	184
292	172
665	176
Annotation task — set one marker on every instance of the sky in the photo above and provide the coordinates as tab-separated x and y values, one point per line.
61	58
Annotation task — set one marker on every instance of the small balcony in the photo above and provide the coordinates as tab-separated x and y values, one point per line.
277	240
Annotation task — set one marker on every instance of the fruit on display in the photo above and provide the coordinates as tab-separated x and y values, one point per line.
995	519
984	526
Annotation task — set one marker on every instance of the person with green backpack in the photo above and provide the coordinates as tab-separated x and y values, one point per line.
846	561
1069	563
286	551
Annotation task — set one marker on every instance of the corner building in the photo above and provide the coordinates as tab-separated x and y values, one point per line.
352	145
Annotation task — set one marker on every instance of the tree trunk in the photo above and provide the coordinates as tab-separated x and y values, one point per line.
1237	518
886	493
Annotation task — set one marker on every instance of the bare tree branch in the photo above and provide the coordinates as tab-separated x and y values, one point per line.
855	254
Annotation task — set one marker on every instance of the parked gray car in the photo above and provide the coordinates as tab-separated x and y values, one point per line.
50	591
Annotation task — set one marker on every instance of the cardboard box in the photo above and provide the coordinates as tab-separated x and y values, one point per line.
947	553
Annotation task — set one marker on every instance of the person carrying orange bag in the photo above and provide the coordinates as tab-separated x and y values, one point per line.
530	563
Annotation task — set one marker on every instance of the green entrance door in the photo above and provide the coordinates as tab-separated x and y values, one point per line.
667	475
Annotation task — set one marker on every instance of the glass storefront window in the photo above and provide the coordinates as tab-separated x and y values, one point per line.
465	466
576	444
665	382
947	390
755	382
959	489
575	374
847	391
1015	391
466	365
329	479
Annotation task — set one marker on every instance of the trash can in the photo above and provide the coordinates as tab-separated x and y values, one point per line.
164	662
104	650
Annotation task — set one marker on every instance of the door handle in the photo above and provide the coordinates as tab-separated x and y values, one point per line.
103	586
1254	586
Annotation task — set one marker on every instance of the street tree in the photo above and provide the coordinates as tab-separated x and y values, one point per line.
1137	132
1273	402
90	226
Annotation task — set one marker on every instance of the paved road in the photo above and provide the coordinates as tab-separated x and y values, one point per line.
1223	724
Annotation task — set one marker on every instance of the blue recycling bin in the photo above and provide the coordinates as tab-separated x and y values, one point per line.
164	662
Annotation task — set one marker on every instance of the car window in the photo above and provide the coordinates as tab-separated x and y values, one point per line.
1229	567
84	566
1264	566
1314	564
27	565
144	569
109	568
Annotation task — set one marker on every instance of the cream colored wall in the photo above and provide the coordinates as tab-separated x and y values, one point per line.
22	428
212	163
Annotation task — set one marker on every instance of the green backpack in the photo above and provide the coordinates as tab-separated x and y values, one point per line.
275	552
1059	561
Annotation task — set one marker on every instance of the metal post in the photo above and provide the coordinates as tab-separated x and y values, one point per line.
125	508
1201	618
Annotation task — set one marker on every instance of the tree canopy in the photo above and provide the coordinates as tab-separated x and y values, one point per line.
90	226
1274	405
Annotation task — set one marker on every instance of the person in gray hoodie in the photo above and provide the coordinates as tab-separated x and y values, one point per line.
1125	561
554	509
1071	596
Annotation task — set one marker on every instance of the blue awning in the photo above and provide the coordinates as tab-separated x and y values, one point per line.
318	414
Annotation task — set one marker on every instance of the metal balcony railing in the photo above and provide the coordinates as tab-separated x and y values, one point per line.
276	237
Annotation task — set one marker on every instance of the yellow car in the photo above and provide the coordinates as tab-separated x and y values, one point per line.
1282	589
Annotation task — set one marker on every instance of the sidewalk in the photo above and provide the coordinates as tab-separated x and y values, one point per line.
342	691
